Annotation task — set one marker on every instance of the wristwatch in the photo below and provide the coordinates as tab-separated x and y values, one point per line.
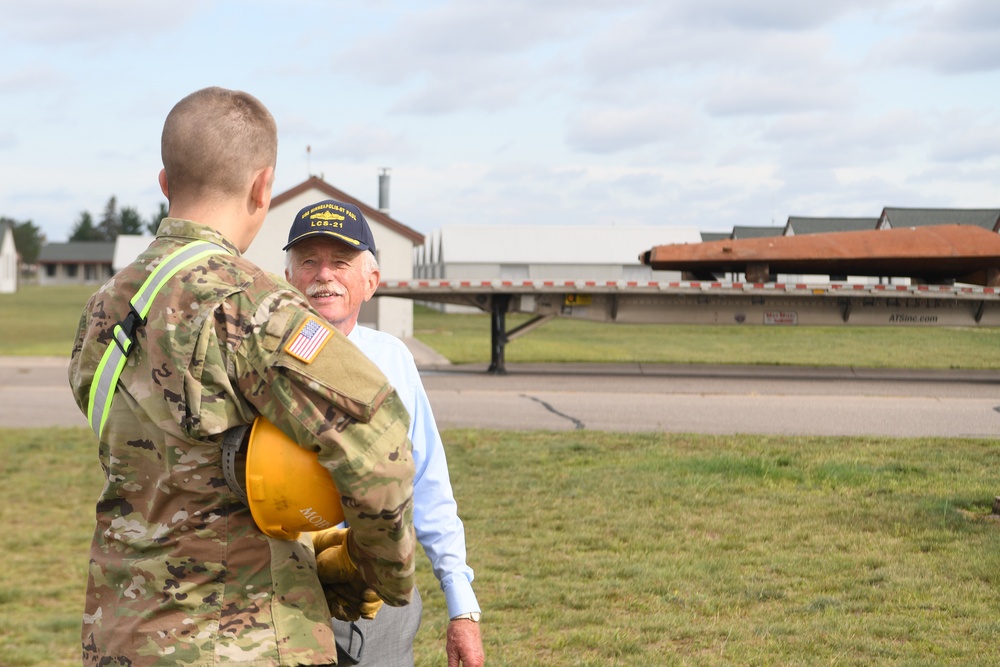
473	616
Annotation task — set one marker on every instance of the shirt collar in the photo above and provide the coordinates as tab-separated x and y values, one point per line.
194	231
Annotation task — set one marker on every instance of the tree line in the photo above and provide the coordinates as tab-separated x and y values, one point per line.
113	222
29	238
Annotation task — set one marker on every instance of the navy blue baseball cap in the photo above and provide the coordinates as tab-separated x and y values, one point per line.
335	220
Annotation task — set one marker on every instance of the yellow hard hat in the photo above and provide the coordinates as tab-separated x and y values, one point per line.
286	488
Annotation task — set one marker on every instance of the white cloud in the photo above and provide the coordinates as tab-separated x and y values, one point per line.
764	15
31	78
967	138
363	142
95	21
957	37
783	93
611	130
833	140
706	112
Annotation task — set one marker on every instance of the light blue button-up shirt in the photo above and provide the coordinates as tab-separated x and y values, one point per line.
435	513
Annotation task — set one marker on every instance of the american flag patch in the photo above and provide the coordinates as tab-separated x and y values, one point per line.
309	340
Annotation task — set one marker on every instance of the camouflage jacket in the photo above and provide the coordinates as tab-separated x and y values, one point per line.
179	573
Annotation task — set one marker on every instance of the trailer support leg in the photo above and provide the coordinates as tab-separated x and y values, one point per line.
498	334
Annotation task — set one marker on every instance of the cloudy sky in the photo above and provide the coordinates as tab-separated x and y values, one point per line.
705	113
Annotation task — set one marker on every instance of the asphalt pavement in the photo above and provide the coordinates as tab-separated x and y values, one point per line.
635	397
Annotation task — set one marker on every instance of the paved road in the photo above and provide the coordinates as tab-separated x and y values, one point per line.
721	400
628	398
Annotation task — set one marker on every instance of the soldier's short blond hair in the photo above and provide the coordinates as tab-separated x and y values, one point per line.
214	139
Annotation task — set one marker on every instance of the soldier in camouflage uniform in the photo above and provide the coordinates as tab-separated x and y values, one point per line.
179	573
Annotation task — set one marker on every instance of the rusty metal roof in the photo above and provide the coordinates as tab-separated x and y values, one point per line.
938	253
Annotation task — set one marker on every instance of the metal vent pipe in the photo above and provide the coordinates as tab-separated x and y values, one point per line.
383	190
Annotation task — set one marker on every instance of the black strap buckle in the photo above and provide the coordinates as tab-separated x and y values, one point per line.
129	326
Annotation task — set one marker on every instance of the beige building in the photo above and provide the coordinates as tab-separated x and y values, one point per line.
395	243
545	252
75	263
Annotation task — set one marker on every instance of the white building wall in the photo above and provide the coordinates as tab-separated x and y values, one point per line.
395	259
602	272
8	262
128	247
266	250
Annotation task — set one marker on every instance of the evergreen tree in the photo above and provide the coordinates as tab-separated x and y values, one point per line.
110	225
84	230
28	239
130	222
154	222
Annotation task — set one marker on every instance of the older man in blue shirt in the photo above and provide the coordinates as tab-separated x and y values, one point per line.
331	259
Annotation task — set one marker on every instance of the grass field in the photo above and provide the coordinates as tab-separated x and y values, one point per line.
466	339
41	321
603	549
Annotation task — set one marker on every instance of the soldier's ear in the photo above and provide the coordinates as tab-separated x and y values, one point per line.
163	184
260	191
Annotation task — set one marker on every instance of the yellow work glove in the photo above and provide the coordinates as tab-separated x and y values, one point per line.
347	594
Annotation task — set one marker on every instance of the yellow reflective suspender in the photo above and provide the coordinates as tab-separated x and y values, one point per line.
102	390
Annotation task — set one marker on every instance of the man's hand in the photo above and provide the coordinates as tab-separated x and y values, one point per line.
347	594
465	644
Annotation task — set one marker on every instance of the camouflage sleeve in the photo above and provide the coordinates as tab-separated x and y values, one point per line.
318	388
80	375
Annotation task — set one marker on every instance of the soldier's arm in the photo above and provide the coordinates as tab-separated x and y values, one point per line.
327	396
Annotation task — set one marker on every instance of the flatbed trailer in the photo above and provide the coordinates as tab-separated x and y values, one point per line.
706	302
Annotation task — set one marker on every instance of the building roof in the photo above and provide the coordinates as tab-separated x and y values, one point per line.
716	236
798	224
372	214
81	252
746	232
552	244
988	218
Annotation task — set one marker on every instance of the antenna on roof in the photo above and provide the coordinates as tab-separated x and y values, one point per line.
309	171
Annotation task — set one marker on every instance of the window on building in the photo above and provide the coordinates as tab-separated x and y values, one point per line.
50	270
71	270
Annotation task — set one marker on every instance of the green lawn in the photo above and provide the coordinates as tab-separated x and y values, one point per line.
466	339
641	549
41	321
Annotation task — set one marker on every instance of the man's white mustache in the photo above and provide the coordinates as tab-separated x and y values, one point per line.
324	289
